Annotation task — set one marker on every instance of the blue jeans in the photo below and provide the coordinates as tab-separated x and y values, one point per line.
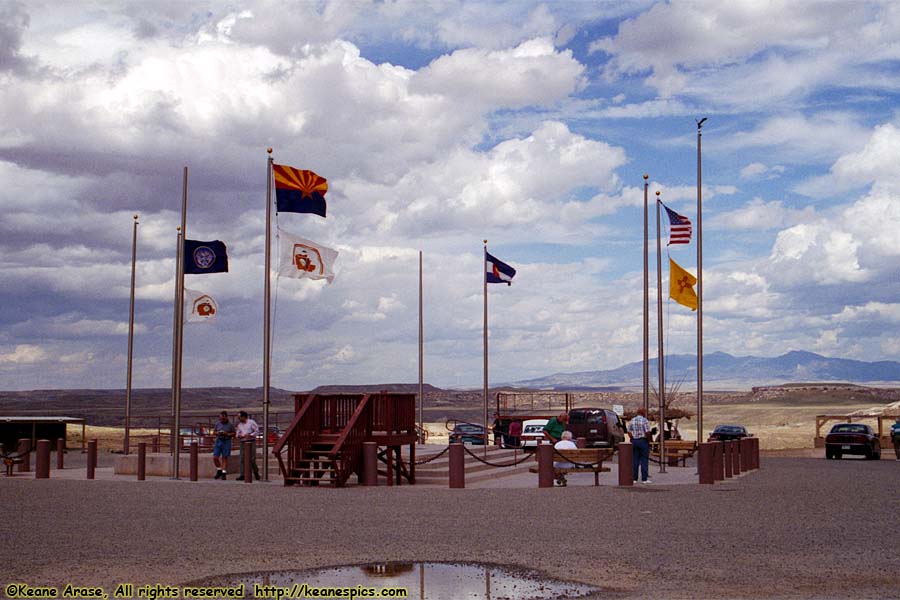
640	456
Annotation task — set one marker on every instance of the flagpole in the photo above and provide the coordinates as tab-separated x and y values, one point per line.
646	302
180	335
484	280
659	336
699	288
421	356
130	337
178	258
267	334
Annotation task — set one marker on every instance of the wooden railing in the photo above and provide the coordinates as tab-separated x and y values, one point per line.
301	433
347	452
394	413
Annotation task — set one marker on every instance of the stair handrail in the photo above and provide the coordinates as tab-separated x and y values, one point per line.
347	446
290	429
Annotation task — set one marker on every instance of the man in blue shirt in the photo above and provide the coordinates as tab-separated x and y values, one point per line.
222	447
639	430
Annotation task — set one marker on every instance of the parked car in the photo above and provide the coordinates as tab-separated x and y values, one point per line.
724	433
599	426
274	435
467	433
532	433
852	438
192	433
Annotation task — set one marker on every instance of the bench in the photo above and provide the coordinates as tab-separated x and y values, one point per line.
592	458
675	450
9	461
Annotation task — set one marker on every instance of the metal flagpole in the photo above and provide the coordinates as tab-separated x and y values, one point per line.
180	343
178	258
699	288
421	354
646	303
659	336
130	338
267	336
484	280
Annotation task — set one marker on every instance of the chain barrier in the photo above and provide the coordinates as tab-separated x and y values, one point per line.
431	458
490	464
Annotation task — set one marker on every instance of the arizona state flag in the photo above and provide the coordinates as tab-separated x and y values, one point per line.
299	191
681	286
205	257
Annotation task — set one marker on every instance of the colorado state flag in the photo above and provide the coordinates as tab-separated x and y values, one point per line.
205	257
299	191
497	271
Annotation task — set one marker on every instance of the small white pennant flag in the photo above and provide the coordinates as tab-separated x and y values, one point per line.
299	257
199	307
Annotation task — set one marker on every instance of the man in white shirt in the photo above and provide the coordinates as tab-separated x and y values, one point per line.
247	431
565	443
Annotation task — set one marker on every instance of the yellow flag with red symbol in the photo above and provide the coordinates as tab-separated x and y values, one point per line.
681	286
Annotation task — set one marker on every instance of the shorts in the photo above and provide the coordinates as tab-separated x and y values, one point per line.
222	447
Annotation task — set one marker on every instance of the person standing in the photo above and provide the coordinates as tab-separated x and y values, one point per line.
515	432
895	437
222	448
639	430
247	430
554	428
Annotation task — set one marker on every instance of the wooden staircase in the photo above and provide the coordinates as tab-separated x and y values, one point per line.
316	466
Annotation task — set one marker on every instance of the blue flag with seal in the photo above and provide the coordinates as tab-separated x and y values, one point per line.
497	271
204	257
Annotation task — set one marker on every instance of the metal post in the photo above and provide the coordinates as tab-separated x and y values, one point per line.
142	461
736	458
247	456
705	462
179	248
457	467
60	453
42	460
646	301
699	284
484	281
745	454
130	338
756	453
91	458
718	461
24	448
370	464
659	359
545	465
267	320
421	352
195	461
176	427
626	464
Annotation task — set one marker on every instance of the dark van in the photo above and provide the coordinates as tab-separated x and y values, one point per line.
599	426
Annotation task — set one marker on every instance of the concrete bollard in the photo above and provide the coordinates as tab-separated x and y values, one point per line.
91	458
729	450
626	467
705	462
195	461
142	461
370	464
457	466
756	453
24	448
718	461
545	465
248	461
60	453
745	455
42	460
581	442
736	458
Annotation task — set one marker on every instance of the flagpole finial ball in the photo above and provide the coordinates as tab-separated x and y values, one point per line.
135	217
269	150
646	177
485	241
658	192
178	229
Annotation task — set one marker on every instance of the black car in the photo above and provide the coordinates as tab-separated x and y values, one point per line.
467	433
724	433
852	438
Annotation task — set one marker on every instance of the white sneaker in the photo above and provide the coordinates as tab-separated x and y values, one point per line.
647	481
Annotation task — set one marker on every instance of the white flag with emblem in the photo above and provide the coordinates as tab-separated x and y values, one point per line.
299	257
199	307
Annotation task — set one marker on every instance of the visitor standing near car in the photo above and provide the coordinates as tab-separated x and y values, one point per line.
639	430
497	428
515	432
247	430
895	437
225	431
555	427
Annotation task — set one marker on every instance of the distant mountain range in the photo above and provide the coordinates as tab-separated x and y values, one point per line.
725	371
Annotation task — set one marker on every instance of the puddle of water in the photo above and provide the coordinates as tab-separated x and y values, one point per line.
425	581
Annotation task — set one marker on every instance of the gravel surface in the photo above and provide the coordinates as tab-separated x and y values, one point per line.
798	528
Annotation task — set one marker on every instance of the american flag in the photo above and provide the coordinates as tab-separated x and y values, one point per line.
679	227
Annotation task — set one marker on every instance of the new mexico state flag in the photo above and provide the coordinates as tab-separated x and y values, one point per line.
681	286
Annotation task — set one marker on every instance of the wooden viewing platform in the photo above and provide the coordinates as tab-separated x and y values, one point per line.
324	442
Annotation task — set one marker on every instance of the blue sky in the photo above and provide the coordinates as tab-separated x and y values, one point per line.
437	125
